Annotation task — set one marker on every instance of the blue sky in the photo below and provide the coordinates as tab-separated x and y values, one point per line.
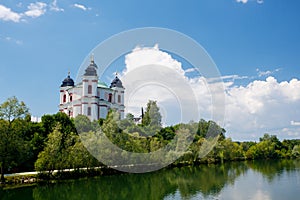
40	41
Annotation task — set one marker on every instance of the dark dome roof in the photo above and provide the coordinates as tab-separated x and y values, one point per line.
91	70
116	83
67	82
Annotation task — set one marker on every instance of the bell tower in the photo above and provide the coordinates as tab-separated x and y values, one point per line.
89	91
118	95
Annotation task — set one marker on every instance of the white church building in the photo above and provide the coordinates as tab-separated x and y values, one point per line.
90	96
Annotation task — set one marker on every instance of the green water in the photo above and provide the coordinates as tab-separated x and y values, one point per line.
237	180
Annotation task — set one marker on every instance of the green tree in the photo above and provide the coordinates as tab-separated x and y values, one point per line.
12	146
152	116
56	152
296	151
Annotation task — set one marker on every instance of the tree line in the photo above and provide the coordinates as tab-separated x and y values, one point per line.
55	142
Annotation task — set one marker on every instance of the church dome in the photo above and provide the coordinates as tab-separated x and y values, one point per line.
91	70
116	83
67	82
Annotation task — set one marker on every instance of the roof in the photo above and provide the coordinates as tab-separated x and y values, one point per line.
67	82
102	85
116	83
91	70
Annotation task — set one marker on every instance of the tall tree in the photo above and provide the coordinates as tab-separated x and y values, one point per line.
152	115
11	144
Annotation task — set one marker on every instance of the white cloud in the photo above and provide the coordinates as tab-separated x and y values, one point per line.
6	14
36	9
251	110
189	70
54	7
262	106
266	73
246	1
10	39
242	1
80	6
293	123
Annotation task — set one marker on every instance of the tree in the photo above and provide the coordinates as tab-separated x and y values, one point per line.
11	144
152	116
56	152
296	151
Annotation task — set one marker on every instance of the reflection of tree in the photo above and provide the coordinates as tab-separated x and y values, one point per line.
209	180
18	193
189	181
204	180
271	169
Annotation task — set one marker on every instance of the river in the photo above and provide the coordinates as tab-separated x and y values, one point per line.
236	180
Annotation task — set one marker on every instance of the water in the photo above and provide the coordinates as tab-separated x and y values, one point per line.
236	180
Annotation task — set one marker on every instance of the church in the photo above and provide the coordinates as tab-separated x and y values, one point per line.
91	97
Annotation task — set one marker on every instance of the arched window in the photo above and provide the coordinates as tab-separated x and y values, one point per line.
71	98
109	97
89	111
89	89
119	98
64	98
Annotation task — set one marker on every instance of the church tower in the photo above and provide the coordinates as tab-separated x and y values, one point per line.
89	91
66	95
118	95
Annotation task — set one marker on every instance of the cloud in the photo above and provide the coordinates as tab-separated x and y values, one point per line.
242	1
293	123
80	6
10	39
251	110
36	9
54	7
6	14
262	106
266	73
246	1
189	70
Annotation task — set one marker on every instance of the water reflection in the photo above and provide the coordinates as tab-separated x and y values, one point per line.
218	181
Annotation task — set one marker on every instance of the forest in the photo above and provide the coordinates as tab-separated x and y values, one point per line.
56	143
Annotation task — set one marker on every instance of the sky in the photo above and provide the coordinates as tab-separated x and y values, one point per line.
254	43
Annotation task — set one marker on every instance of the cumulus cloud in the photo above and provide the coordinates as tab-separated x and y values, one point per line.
54	7
6	14
252	110
263	106
80	6
36	9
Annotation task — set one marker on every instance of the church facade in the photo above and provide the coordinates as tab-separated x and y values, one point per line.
91	97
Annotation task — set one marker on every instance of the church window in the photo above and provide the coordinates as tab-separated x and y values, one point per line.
71	98
89	111
119	98
109	97
64	98
89	89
